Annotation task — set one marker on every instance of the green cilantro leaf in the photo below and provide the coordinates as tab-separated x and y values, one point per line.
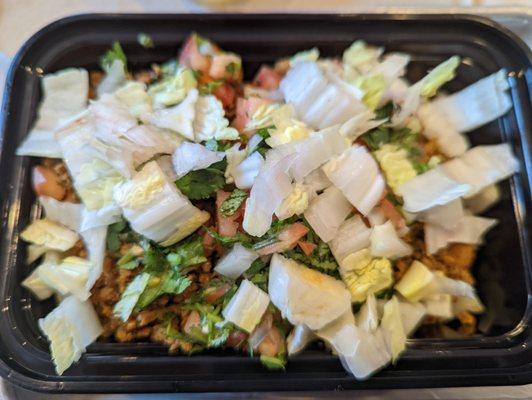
170	282
186	253
114	53
145	40
233	202
202	184
241	238
273	363
209	87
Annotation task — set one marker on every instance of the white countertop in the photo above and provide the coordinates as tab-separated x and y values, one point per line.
19	19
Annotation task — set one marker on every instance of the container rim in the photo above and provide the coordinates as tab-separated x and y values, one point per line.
37	384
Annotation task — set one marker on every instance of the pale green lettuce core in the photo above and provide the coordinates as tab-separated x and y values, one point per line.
172	89
440	75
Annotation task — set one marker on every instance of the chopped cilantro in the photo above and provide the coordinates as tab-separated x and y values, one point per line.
145	40
273	363
187	253
233	202
232	68
202	184
113	54
170	282
240	237
209	87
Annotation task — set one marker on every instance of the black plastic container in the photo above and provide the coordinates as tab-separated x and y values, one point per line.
502	356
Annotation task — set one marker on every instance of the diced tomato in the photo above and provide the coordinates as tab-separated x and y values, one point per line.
236	339
46	183
209	244
227	226
288	238
391	213
193	321
216	293
307	247
245	109
226	94
272	343
267	78
191	57
226	66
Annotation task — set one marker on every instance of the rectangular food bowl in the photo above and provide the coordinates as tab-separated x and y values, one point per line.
503	355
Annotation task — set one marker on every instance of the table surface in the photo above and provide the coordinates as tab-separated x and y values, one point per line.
19	19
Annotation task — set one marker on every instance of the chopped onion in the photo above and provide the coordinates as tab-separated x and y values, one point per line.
261	331
326	213
385	242
236	262
358	176
316	181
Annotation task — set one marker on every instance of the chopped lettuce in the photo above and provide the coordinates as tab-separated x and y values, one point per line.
65	95
236	262
246	307
306	296
396	165
68	277
173	89
35	284
361	57
327	212
53	236
295	204
305	55
70	328
133	95
210	121
440	75
141	199
131	295
364	185
384	242
393	329
364	274
192	157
